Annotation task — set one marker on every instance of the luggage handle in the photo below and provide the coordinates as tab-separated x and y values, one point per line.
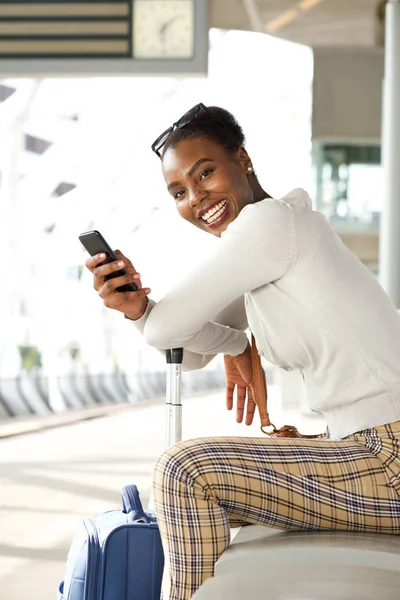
173	400
174	356
132	505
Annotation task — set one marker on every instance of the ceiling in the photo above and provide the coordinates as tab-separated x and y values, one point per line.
310	22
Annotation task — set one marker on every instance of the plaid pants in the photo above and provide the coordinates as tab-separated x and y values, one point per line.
202	487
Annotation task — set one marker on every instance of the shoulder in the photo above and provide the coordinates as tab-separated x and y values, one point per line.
270	227
278	207
262	212
298	198
271	217
264	229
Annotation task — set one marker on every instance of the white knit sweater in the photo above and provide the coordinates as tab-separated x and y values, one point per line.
310	303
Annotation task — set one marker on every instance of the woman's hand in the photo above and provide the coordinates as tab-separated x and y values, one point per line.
133	304
239	373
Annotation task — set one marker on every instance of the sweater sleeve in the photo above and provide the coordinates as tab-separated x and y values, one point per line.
256	249
233	315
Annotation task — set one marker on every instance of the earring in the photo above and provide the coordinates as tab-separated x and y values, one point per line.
250	169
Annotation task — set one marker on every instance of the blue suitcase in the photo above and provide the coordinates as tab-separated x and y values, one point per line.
119	555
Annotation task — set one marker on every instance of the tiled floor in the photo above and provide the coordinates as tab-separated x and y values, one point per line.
49	480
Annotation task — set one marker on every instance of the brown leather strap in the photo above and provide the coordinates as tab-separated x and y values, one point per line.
260	396
289	431
260	392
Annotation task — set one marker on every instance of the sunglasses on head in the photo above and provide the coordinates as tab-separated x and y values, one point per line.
187	118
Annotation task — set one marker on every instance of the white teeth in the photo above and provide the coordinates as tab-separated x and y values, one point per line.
216	216
214	212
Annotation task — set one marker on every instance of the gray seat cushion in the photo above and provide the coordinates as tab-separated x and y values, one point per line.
268	563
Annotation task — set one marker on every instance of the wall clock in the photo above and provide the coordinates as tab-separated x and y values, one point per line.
103	37
163	29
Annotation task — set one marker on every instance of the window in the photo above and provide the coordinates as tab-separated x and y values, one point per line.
349	181
5	92
63	188
35	144
75	272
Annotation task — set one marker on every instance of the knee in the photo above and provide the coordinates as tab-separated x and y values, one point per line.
171	478
174	463
185	462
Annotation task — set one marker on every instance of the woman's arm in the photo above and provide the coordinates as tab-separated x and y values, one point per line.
233	315
257	248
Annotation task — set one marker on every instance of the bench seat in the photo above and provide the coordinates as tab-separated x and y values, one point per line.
265	563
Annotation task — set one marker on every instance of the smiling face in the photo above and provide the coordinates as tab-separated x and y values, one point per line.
210	186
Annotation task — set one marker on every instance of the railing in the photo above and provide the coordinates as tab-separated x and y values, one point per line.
28	394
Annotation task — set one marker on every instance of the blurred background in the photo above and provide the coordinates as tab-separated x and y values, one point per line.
85	88
75	155
304	80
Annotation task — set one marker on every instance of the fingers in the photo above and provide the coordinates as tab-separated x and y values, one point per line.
109	287
127	263
251	407
230	387
104	272
94	264
112	267
265	422
241	400
93	261
108	269
121	256
242	392
244	365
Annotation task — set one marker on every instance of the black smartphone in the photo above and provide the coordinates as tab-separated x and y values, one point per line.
94	243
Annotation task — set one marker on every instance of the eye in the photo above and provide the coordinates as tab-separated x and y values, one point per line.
178	194
205	173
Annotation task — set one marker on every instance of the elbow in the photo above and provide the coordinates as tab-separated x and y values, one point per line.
164	329
155	337
161	337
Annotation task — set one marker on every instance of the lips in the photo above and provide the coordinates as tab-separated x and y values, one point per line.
208	207
218	216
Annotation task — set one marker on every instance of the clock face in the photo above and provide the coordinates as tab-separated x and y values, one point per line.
163	29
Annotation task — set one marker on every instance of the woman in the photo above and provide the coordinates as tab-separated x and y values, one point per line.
280	270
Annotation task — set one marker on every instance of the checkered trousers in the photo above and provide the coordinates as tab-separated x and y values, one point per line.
204	486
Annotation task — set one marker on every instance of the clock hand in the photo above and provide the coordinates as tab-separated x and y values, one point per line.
167	24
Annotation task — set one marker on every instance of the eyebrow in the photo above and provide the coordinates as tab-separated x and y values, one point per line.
191	170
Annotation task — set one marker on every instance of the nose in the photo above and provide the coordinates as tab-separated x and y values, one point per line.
196	196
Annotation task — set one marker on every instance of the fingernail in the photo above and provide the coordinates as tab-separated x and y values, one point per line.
136	276
120	263
101	255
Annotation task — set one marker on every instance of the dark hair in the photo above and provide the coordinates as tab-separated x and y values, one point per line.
230	135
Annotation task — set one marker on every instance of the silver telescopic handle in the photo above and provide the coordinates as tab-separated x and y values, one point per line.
173	398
